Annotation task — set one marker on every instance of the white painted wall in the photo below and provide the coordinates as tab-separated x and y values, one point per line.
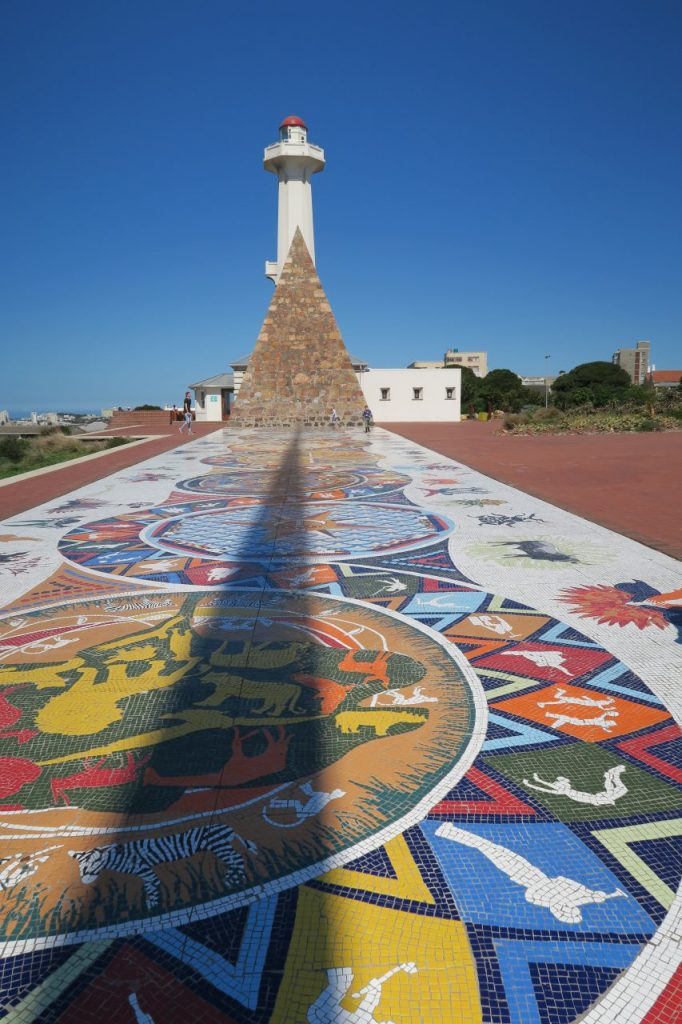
401	406
207	405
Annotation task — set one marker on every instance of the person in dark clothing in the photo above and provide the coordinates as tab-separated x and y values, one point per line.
187	413
367	418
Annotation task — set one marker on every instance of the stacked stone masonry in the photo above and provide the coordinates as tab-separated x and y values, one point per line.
300	369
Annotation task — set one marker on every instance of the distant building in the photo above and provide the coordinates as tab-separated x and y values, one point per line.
537	382
476	361
663	378
4	417
635	361
92	426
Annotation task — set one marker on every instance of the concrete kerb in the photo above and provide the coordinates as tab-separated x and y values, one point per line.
77	462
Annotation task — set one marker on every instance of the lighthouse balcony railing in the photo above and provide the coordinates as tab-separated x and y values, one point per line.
294	149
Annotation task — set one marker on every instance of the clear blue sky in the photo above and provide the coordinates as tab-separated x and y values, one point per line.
500	175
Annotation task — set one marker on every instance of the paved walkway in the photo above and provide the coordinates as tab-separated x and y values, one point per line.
334	729
631	483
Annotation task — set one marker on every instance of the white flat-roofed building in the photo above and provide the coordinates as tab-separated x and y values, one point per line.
412	395
394	395
212	398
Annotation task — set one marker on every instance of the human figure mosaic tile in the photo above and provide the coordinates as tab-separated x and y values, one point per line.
293	729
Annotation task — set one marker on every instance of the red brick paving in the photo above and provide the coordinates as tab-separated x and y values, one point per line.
24	494
630	483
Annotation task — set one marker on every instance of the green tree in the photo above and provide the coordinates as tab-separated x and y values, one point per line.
603	382
533	396
470	389
637	395
502	389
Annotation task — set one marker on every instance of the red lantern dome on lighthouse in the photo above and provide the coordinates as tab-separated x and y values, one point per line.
293	129
293	121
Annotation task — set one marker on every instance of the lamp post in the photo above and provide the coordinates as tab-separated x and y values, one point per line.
546	382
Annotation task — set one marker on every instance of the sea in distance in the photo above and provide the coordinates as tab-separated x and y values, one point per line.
25	414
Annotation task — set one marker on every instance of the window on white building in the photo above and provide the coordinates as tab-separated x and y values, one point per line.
385	394
417	394
450	394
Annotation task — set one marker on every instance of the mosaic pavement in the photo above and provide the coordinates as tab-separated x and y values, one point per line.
331	729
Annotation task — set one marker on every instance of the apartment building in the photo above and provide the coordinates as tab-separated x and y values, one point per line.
476	361
635	361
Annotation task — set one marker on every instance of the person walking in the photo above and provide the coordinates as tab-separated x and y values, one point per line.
187	413
334	419
367	418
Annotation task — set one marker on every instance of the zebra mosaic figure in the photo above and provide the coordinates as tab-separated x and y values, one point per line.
141	856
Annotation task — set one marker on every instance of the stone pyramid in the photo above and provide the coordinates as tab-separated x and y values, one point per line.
299	370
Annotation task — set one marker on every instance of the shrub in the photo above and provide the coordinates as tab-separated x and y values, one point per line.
550	413
116	442
147	408
516	419
12	448
649	423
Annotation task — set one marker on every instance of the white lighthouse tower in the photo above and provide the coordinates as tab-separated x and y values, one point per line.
294	160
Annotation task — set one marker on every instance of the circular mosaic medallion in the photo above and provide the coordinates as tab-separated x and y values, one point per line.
328	453
181	751
314	484
200	542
